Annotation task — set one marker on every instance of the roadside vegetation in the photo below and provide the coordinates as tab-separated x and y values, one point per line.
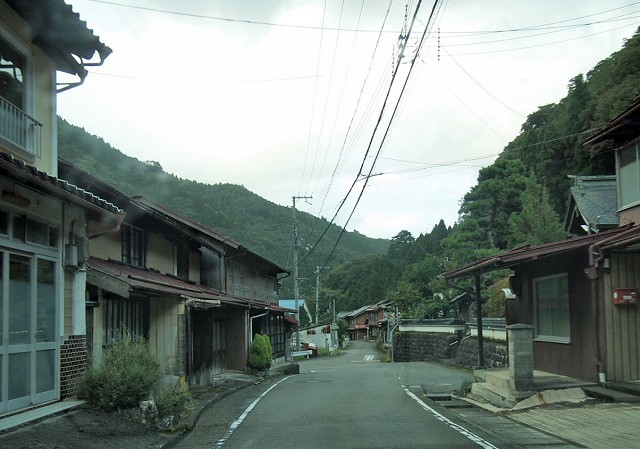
128	373
260	353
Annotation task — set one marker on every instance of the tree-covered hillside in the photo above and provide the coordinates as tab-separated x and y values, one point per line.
519	199
261	225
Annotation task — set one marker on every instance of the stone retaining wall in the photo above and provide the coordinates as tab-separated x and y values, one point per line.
448	348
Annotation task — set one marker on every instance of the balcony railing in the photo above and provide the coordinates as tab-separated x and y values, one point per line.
19	131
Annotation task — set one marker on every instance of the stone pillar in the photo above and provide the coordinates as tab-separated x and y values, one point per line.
520	338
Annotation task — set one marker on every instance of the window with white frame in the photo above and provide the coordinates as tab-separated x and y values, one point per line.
551	308
628	176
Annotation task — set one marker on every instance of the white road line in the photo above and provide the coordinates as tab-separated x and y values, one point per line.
458	428
234	425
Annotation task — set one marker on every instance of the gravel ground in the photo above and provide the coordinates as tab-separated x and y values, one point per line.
84	428
88	427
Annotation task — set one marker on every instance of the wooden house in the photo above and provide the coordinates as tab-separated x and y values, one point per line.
580	295
42	282
368	322
197	296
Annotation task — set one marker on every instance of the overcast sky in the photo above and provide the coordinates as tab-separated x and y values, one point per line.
283	97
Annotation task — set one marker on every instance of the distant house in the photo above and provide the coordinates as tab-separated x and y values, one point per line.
580	295
197	296
42	217
368	322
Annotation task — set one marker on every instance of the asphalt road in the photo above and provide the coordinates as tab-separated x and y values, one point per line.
348	401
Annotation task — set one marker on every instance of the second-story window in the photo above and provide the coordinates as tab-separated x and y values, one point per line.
210	269
133	246
629	176
12	66
182	262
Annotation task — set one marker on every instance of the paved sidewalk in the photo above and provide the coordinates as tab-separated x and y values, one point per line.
587	422
593	424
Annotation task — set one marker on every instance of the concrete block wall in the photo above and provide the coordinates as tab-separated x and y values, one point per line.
424	346
495	354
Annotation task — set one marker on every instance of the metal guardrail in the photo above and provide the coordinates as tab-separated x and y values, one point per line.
19	129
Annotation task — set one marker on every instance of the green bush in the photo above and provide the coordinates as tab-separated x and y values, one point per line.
173	401
124	376
260	353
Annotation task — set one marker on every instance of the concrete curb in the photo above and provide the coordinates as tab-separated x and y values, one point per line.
206	403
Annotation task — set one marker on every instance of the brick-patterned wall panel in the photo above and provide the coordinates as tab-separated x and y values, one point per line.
73	362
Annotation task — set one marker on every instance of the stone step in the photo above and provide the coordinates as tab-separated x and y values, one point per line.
439	396
494	394
610	395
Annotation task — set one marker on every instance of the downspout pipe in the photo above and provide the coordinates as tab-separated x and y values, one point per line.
251	325
591	270
189	344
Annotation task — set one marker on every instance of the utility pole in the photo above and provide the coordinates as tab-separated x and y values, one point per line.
317	272
296	281
332	303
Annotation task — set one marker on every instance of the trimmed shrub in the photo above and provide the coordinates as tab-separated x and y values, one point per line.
260	353
124	376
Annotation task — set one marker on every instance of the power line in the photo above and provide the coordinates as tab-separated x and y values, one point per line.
313	103
232	20
541	26
339	162
190	81
366	179
326	102
543	44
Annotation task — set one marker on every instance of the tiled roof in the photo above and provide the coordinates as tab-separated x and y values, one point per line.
31	176
596	200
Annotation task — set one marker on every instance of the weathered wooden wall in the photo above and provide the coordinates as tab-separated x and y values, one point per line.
622	321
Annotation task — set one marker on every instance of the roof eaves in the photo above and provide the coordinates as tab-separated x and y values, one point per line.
55	186
60	33
615	123
511	258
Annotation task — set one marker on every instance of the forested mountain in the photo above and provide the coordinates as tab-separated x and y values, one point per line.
261	225
520	199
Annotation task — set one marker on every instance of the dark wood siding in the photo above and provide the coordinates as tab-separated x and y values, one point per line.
578	357
622	321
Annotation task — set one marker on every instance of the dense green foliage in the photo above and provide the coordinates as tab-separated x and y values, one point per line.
519	199
124	376
260	353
